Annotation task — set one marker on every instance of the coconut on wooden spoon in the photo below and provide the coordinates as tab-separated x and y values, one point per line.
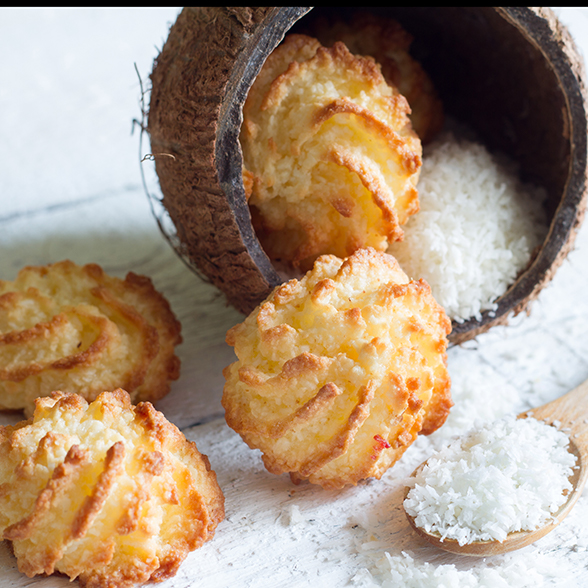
504	486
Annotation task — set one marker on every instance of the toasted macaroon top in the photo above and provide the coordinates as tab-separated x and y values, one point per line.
330	158
389	44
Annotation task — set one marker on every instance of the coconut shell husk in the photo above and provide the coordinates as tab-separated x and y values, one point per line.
199	83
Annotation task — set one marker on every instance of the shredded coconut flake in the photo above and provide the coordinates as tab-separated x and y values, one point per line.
476	229
393	571
292	515
509	475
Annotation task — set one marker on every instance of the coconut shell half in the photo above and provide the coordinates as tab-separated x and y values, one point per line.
511	73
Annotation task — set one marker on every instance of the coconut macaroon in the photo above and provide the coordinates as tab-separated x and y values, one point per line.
338	372
74	328
109	493
331	161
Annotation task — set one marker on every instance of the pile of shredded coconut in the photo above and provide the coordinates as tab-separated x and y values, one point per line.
506	476
477	227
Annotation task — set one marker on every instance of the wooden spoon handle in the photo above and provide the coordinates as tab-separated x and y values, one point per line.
569	410
570	414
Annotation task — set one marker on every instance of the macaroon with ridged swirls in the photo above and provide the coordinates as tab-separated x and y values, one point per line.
76	329
331	160
337	373
109	493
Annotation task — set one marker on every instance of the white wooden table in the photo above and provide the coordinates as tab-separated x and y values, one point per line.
70	187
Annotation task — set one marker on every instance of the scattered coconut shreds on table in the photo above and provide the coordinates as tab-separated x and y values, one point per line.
406	571
506	476
477	227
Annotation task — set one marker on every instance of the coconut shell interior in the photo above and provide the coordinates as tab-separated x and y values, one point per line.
513	74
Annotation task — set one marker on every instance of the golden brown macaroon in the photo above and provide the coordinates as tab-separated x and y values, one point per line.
74	328
389	43
109	493
338	372
331	161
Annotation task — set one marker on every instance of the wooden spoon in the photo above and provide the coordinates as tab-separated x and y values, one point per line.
570	414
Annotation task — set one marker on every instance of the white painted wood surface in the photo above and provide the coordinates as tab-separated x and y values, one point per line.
70	187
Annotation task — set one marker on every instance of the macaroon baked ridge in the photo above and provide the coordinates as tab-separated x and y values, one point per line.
389	44
109	493
338	372
74	328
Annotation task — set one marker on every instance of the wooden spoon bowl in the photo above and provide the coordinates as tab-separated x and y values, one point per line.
568	413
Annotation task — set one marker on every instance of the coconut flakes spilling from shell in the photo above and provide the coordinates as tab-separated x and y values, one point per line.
331	164
476	230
